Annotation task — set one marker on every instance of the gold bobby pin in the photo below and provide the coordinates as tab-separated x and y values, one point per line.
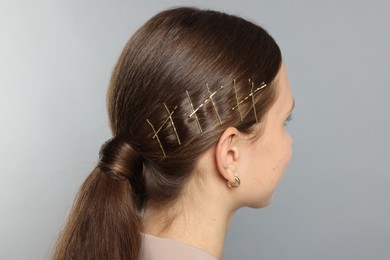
238	104
253	101
155	135
166	120
262	85
210	98
173	124
212	101
197	120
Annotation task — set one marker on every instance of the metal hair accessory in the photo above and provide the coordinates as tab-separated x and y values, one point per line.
251	94
209	99
166	120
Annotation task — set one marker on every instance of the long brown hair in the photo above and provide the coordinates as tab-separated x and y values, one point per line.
181	80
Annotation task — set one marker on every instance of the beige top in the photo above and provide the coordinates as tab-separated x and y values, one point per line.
156	248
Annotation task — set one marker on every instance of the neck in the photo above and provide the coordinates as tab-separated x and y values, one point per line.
201	223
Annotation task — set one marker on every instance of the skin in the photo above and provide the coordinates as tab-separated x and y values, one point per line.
263	163
203	213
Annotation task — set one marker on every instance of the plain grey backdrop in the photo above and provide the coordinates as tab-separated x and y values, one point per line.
333	203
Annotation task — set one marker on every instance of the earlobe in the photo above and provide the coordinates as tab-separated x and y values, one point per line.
227	156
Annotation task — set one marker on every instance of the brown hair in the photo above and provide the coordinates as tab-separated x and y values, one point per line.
175	63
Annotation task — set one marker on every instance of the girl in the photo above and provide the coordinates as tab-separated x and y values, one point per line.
197	103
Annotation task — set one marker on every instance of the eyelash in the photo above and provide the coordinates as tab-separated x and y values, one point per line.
289	118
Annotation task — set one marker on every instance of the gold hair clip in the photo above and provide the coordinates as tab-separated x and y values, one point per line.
251	94
155	135
173	124
253	101
210	98
192	106
212	101
166	120
238	103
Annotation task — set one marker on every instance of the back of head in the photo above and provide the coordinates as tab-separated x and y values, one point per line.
181	80
169	68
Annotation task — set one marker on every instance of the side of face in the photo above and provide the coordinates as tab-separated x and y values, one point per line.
262	162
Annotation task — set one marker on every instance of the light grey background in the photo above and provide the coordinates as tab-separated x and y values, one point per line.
333	203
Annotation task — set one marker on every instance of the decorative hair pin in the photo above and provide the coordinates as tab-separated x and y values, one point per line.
209	99
238	103
166	120
169	118
251	94
194	112
156	136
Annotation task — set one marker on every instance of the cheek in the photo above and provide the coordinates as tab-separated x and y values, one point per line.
265	174
289	149
281	155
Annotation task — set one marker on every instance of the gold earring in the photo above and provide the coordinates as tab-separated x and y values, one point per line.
236	184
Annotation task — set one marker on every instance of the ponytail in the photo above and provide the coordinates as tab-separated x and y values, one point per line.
103	223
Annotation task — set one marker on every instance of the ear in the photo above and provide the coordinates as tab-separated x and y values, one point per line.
227	154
